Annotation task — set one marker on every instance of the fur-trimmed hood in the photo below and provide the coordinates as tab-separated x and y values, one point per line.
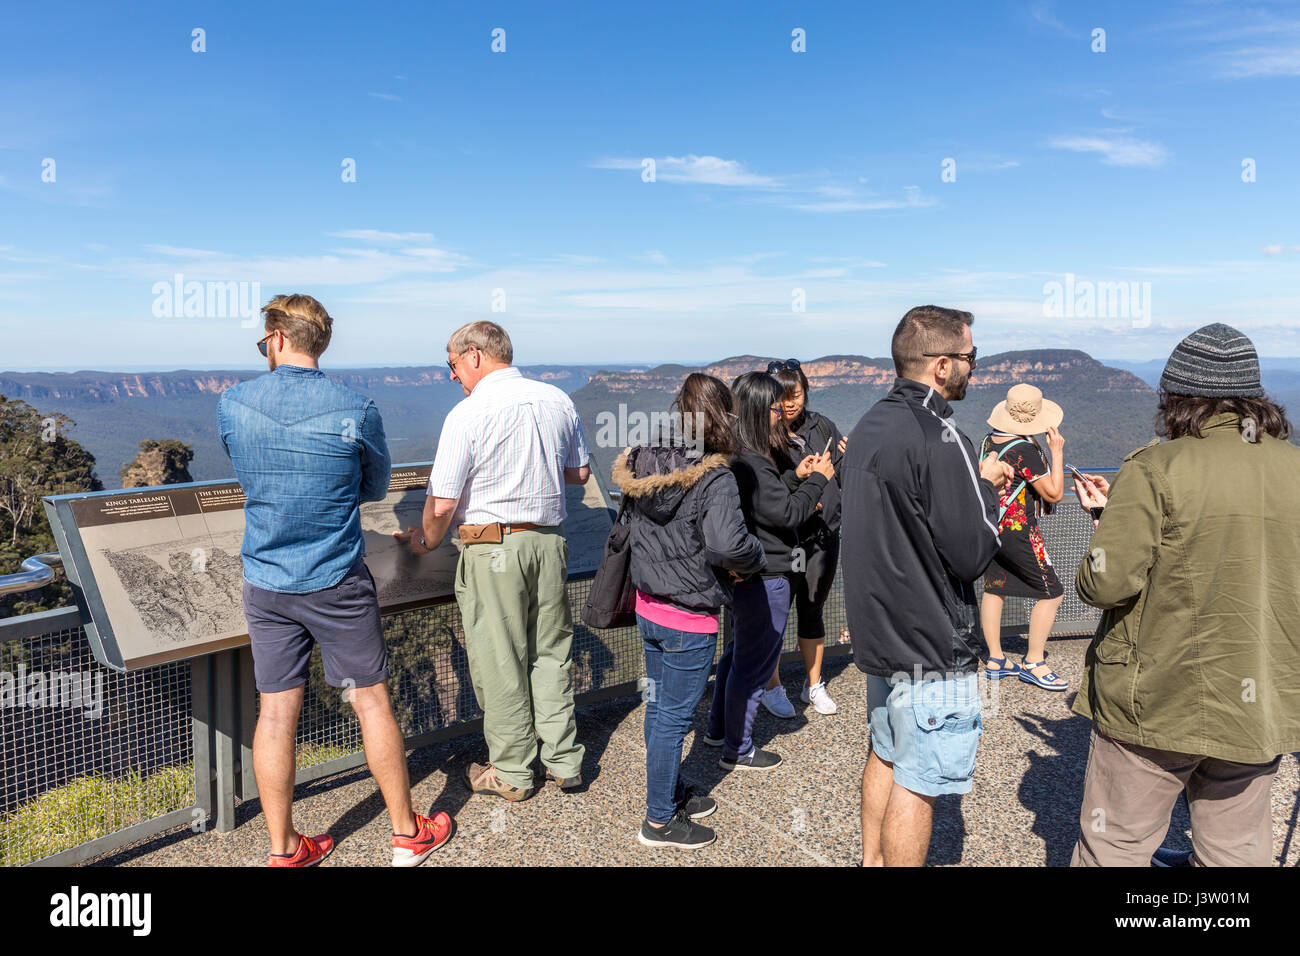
657	477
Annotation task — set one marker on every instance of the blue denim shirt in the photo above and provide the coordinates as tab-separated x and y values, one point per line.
307	452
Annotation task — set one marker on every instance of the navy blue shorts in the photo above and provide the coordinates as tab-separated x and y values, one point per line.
343	620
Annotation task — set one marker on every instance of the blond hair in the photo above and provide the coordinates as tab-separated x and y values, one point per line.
302	319
488	337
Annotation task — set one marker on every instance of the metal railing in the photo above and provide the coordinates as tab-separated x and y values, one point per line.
37	571
116	758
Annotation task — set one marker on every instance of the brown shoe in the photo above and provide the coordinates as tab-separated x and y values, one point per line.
482	778
564	783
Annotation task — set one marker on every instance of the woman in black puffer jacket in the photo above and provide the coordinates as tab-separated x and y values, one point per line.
688	543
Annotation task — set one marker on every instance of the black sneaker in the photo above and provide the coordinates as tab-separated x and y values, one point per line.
712	741
755	760
697	805
679	832
1167	857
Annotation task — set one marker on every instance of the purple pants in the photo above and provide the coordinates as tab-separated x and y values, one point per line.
759	609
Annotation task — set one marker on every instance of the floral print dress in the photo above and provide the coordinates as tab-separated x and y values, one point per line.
1021	567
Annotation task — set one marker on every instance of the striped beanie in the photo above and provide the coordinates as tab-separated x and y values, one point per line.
1215	361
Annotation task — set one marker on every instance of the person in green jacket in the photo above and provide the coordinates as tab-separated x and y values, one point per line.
1192	681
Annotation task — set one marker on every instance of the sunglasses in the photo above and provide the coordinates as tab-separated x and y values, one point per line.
261	346
968	356
777	366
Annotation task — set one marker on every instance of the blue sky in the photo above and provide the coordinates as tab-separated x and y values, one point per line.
521	171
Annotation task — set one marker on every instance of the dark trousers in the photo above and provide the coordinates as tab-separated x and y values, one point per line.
759	609
813	586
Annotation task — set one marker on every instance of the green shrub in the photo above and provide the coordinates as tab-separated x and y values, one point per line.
90	807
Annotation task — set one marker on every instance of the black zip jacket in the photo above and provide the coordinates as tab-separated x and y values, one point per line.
686	526
816	429
776	504
920	525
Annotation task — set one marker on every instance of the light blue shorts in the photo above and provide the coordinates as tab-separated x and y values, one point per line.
929	730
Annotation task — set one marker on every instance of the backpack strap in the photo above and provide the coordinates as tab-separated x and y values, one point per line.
1002	510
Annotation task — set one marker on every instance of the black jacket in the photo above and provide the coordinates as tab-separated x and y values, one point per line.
920	525
686	526
816	429
776	504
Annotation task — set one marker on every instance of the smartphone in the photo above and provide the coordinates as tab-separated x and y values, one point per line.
828	446
1077	473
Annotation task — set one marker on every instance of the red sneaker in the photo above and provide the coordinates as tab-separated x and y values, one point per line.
432	832
311	850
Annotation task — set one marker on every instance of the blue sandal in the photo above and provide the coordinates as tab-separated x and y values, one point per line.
1046	681
1004	669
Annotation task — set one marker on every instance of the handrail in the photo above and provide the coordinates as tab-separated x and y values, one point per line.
37	572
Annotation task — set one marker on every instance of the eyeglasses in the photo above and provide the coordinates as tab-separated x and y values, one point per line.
451	362
968	356
774	408
778	366
261	346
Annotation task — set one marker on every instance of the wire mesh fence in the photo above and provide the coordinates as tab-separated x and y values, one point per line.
84	750
87	751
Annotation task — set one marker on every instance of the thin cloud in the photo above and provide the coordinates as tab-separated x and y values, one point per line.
703	170
374	235
1042	12
1115	150
392	97
1276	249
183	252
1249	62
912	199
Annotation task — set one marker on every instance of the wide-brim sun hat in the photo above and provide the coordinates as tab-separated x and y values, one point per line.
1025	412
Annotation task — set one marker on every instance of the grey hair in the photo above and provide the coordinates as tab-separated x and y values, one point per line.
488	337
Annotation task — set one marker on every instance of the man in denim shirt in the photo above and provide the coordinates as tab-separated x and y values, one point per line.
307	452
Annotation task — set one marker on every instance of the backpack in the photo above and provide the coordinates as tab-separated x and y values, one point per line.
611	602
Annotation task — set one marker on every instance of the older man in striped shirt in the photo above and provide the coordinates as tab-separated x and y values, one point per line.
505	454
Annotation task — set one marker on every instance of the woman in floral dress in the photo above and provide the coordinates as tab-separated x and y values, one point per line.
1022	567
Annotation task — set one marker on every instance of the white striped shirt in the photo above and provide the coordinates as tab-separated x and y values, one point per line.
503	451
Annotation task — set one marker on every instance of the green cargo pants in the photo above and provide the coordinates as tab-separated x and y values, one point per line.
519	641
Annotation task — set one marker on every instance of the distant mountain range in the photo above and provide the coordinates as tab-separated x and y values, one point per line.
1281	379
114	411
1108	411
1109	406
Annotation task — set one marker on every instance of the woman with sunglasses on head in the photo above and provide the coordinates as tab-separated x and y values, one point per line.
809	433
776	502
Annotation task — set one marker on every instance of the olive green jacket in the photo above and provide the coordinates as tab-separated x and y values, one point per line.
1196	565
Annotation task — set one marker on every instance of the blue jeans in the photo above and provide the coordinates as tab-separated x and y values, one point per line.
677	665
759	610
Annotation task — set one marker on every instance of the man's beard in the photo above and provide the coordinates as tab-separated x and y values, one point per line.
956	388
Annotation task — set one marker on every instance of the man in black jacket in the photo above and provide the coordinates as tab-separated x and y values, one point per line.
919	526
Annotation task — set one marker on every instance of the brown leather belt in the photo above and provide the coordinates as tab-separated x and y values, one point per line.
492	532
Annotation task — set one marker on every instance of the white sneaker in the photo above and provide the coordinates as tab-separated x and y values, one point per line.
818	697
777	703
